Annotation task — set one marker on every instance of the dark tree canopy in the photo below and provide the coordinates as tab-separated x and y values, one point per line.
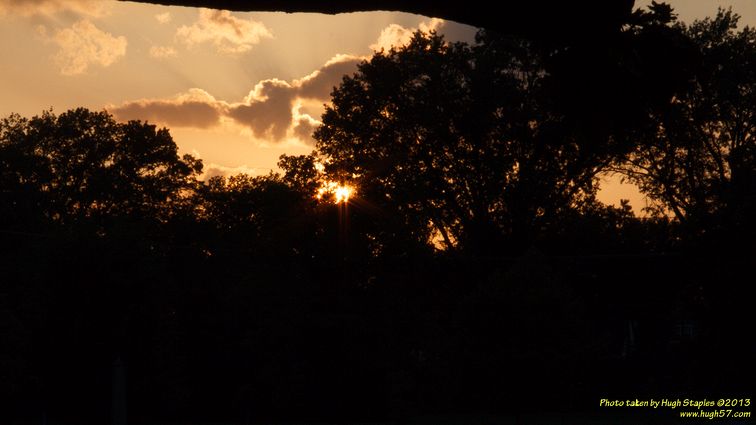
263	215
486	146
463	141
83	165
697	156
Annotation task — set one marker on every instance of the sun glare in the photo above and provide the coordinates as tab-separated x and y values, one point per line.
341	192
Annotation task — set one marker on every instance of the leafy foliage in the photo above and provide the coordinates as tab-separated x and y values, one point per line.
458	140
697	157
84	165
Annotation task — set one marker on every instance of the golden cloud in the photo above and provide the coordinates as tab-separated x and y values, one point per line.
216	170
396	35
226	32
53	7
83	45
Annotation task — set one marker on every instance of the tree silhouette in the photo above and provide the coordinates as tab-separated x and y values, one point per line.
696	157
83	166
300	173
461	141
261	215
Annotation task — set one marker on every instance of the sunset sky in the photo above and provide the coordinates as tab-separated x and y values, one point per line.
235	89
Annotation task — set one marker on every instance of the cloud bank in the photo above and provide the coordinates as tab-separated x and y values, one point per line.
272	111
196	109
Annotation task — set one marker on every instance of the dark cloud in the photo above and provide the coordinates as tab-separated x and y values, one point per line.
195	109
267	110
270	111
320	83
304	128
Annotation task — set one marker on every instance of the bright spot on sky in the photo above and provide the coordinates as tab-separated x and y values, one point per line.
341	192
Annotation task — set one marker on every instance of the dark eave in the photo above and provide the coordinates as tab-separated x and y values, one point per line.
550	19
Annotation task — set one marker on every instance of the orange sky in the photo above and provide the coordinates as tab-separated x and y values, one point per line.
236	89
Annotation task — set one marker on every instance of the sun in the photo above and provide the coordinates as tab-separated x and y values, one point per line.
341	192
